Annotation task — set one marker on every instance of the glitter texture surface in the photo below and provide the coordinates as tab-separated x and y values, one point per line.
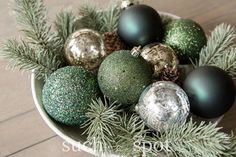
186	37
67	94
163	104
122	77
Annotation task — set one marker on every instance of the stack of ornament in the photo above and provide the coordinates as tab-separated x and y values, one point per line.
138	64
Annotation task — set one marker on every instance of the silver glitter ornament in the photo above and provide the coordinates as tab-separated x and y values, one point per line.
163	104
85	48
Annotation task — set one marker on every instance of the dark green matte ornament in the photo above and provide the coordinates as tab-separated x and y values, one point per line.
211	91
140	25
67	94
123	77
186	37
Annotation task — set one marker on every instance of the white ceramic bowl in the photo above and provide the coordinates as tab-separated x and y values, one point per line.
72	135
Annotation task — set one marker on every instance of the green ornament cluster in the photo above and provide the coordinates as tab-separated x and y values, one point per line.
123	75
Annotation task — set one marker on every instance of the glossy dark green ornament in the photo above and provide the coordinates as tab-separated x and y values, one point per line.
211	91
186	37
140	25
67	94
123	77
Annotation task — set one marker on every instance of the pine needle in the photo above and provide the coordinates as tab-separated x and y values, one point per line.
21	55
31	17
192	140
110	130
100	126
231	152
42	51
130	131
101	21
90	18
110	19
228	62
65	24
221	38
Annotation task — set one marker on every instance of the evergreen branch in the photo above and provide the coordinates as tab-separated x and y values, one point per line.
231	152
110	19
97	20
100	126
192	140
221	38
110	131
90	18
228	61
23	56
31	16
65	24
131	130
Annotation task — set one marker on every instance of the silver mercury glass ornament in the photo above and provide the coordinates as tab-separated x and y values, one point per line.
160	56
163	104
85	48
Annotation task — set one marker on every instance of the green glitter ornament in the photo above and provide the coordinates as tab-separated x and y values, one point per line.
67	94
186	37
123	77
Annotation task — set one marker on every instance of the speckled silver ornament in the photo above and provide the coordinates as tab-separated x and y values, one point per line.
163	104
85	48
160	56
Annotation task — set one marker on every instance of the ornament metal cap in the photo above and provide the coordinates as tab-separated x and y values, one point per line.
136	51
127	3
136	108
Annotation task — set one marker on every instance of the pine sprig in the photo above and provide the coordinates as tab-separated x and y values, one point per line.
101	21
221	38
90	18
21	55
42	51
100	126
131	130
192	140
228	61
65	24
231	152
31	17
126	135
110	19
